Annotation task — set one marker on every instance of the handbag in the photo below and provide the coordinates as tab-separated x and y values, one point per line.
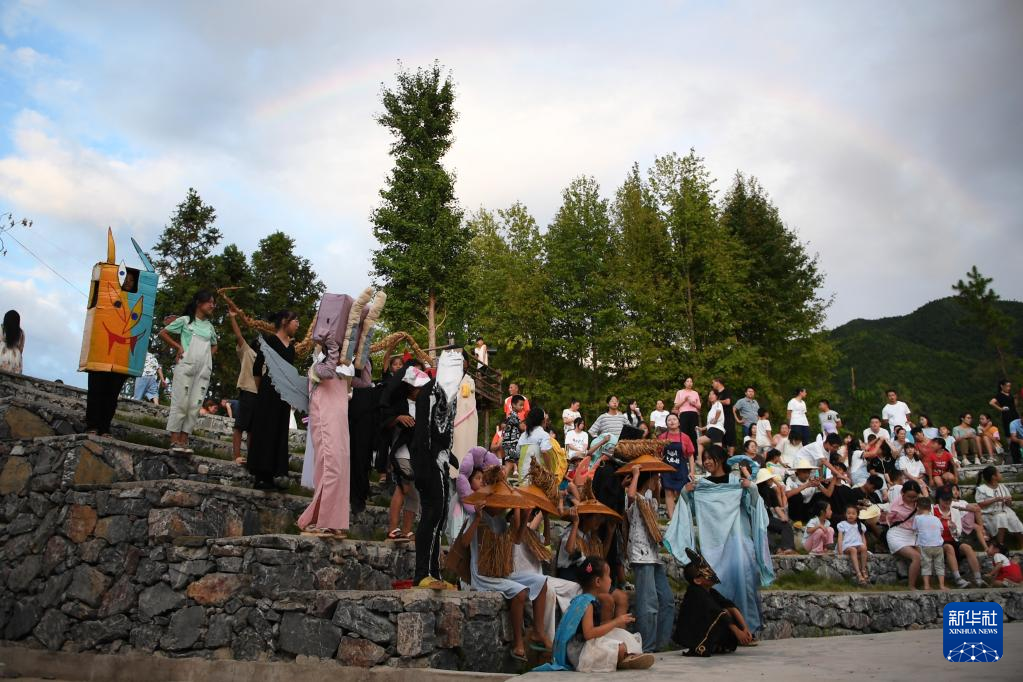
457	561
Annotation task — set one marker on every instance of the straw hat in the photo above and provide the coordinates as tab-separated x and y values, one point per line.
871	512
631	449
646	463
766	474
599	508
542	501
804	464
500	495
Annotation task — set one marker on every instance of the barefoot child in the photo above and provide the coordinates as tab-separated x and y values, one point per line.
589	643
928	540
852	543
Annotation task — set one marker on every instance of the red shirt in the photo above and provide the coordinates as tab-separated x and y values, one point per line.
1012	573
940	462
684	440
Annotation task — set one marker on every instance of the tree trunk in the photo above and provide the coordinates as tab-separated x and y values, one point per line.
431	324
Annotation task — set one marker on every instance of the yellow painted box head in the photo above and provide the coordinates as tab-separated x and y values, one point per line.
119	318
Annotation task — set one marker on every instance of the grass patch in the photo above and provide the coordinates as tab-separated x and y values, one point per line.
811	582
146	439
143	420
297	489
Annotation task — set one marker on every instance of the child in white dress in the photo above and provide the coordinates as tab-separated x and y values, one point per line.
851	542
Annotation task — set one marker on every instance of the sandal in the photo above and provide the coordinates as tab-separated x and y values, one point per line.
519	657
636	662
411	535
397	536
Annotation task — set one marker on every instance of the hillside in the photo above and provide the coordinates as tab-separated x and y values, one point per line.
939	364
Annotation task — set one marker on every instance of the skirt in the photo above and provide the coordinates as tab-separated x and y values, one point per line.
899	537
1005	519
600	655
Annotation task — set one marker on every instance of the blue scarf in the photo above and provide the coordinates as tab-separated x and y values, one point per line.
567	628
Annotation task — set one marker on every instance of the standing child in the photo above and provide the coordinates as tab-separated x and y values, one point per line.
586	642
195	351
929	541
510	435
765	439
655	604
852	543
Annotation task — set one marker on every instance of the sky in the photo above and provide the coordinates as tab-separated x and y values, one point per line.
890	135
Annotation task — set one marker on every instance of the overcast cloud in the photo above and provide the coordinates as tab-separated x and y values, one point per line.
889	134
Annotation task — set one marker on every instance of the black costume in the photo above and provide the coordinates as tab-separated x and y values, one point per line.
703	624
363	427
268	453
101	400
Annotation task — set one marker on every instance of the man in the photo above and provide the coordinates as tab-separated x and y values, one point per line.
660	418
513	390
569	416
829	419
610	422
895	413
247	390
725	398
147	386
1004	403
745	410
875	430
819	452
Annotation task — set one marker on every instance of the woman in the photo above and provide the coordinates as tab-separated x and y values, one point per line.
12	343
854	456
956	548
990	438
535	441
194	363
577	441
966	439
268	455
795	415
898	443
714	431
791	446
911	466
995	502
687	404
1006	406
778	516
678	452
901	536
929	429
633	415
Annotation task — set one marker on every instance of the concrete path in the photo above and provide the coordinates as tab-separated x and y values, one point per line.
915	655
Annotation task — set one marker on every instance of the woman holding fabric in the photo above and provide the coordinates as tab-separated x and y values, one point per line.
268	456
195	348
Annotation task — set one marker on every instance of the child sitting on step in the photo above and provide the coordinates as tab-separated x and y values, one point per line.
819	536
851	542
1006	572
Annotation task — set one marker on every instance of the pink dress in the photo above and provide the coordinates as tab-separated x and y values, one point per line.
328	428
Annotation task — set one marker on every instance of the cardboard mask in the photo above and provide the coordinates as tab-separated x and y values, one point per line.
119	318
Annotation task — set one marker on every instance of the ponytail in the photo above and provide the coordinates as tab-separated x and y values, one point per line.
201	296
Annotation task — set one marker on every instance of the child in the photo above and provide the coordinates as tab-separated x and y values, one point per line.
765	438
1005	573
829	419
589	643
511	434
851	542
708	623
772	460
946	435
819	535
655	604
928	540
583	539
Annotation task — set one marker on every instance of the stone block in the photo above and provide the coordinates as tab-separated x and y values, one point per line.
90	470
360	653
182	574
146	637
113	529
109	503
309	636
183	630
483	647
91	633
216	588
22	575
218	634
53	591
52	629
81	520
167	524
356	618
22	424
48	460
88	585
416	634
231	564
449	625
159	599
179	498
15	475
23	618
120	598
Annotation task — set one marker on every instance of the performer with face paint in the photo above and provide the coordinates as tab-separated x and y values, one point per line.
708	623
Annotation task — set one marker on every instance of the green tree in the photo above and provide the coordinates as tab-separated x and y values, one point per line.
230	268
284	280
981	304
419	224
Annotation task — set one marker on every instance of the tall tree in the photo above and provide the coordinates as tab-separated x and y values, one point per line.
981	304
419	223
230	268
284	280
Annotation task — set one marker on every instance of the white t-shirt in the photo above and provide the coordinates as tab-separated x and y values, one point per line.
910	467
569	416
763	433
928	530
716	417
814	452
807	493
881	433
999	560
659	418
897	415
851	535
798	409
577	443
814	523
402	452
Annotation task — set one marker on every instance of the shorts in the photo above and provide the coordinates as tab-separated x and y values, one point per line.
716	435
958	553
147	387
246	409
932	560
405	477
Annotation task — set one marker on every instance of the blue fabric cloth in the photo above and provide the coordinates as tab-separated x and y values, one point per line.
732	525
567	628
655	606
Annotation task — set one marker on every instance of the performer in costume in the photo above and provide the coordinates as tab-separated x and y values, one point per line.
268	456
118	323
194	364
467	424
708	623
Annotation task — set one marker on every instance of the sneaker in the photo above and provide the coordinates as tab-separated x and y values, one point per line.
978	581
637	662
962	582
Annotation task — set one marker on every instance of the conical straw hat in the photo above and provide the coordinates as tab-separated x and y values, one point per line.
646	463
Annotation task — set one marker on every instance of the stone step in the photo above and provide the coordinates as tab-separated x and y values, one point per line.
1015	488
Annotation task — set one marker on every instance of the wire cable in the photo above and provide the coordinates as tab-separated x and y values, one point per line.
48	266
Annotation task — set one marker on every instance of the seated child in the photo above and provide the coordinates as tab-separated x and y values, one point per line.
589	643
819	536
707	622
852	543
1005	573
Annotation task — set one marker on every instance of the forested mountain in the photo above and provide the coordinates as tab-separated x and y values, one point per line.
938	361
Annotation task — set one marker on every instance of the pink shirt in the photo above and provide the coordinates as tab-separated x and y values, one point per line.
684	393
